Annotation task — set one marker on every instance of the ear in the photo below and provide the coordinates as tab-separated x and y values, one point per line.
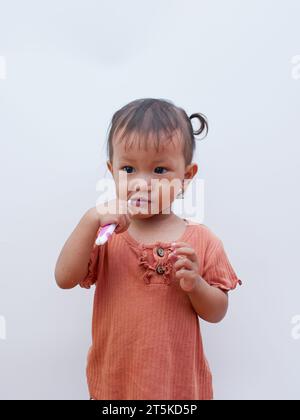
190	171
109	166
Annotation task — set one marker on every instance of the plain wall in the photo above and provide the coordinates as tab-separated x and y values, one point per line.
67	66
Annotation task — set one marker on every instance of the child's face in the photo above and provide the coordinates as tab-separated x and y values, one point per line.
154	175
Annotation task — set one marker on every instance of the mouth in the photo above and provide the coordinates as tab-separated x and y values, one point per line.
139	201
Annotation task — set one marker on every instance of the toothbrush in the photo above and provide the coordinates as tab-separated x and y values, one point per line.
106	231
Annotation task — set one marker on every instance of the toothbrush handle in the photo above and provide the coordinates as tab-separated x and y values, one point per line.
104	233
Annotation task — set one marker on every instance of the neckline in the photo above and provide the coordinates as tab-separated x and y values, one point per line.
126	235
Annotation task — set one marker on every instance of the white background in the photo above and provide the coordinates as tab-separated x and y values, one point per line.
69	66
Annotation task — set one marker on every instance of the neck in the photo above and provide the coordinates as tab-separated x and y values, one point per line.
153	221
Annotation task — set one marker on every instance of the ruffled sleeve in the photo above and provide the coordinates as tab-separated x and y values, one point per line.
93	266
218	270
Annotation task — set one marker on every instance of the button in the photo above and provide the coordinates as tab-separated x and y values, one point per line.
160	269
160	252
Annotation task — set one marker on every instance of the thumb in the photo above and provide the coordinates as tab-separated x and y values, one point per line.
186	284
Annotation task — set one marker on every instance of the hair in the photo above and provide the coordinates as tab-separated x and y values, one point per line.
144	117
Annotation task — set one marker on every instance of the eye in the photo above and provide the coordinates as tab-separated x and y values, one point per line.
160	168
130	167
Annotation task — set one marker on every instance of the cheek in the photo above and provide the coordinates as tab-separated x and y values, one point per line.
121	185
171	188
168	191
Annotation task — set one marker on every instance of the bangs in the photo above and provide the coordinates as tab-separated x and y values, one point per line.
140	139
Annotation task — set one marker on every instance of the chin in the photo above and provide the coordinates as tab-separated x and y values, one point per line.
142	216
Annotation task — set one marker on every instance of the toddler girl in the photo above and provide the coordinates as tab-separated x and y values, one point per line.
158	274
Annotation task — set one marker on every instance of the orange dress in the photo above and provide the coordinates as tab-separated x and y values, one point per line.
146	339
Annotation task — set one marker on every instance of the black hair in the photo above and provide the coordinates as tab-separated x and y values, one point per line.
144	117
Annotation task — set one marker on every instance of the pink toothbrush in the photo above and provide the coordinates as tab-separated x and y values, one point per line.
104	233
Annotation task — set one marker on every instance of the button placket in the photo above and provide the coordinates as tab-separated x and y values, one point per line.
159	253
155	262
163	268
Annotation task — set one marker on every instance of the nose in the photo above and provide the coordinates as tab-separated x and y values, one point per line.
142	184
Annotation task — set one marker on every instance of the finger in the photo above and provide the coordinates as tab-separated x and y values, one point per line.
118	228
188	252
127	220
186	274
187	285
184	262
122	224
125	223
180	244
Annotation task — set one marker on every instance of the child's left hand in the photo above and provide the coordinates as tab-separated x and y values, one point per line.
186	265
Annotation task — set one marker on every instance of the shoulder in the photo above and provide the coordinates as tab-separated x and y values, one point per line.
200	229
204	236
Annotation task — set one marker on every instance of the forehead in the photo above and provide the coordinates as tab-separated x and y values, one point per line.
150	147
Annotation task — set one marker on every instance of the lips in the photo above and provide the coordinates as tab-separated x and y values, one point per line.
139	200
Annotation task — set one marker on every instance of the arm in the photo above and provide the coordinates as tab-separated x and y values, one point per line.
210	303
72	264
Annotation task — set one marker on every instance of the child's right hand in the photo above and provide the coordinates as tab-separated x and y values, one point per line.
114	211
